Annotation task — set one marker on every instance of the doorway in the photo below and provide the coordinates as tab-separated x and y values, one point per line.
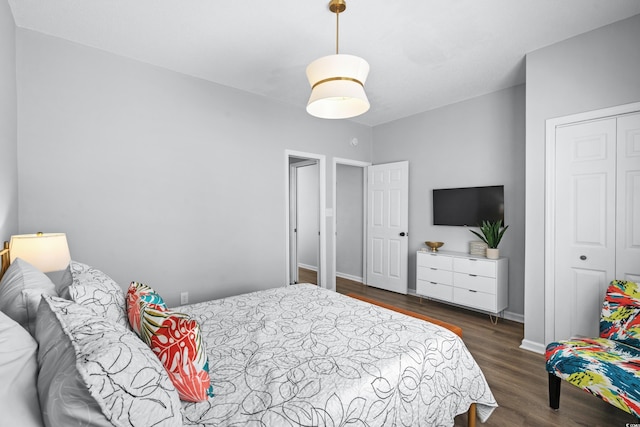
305	228
349	200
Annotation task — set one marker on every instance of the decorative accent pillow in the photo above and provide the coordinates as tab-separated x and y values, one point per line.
620	319
176	339
94	289
139	295
14	302
19	372
93	372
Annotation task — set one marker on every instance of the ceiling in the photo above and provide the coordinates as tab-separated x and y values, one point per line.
423	53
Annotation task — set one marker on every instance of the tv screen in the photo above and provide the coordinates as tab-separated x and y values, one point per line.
468	206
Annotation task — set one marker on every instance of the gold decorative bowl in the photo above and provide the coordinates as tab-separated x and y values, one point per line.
434	245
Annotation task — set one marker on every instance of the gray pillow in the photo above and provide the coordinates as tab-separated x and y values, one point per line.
62	280
95	373
22	276
19	371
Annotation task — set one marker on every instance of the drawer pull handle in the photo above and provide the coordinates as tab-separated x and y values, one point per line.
471	290
473	275
434	283
434	269
472	259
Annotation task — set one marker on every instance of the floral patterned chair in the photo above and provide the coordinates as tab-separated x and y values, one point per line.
608	366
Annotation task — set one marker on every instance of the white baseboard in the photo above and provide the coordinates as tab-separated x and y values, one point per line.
308	267
533	346
516	317
350	277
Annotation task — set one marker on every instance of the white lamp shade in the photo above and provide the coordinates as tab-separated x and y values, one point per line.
45	251
337	86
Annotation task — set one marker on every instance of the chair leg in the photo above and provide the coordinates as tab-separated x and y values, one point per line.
554	391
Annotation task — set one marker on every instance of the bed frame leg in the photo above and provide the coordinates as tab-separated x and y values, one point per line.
471	416
554	391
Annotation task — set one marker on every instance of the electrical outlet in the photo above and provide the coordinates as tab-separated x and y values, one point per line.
184	298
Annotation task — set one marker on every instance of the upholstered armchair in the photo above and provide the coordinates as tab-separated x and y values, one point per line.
608	366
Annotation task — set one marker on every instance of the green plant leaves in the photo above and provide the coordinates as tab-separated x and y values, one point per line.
492	232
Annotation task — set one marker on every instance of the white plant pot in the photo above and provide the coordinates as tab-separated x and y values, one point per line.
493	253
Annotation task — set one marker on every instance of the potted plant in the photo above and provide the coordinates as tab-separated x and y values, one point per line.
492	233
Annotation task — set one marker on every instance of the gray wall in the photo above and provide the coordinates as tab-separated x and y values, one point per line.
8	125
308	216
349	221
141	168
472	143
595	70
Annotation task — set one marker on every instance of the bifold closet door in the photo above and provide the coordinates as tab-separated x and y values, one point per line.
585	234
628	198
597	217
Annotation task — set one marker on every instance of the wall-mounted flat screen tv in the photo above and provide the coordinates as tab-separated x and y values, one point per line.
468	206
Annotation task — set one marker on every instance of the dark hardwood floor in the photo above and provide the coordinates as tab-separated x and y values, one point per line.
517	377
307	276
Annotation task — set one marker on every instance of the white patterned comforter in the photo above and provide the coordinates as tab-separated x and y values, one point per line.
305	356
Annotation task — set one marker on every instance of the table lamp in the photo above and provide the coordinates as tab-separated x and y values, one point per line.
45	251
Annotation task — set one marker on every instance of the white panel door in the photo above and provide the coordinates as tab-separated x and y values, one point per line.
628	195
585	229
387	223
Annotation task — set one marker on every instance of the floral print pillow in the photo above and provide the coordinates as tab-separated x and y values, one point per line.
175	338
139	295
94	289
94	371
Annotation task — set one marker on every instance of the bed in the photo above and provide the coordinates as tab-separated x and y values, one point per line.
289	356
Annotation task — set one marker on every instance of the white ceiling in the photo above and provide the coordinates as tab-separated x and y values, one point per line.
423	53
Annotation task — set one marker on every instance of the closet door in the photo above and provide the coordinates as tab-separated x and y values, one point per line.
628	199
585	177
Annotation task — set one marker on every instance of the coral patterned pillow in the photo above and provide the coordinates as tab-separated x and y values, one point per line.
138	296
176	339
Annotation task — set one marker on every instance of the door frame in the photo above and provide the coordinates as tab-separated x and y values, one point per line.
363	165
293	212
550	198
322	254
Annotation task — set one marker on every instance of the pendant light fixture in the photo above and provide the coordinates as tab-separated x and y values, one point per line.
337	81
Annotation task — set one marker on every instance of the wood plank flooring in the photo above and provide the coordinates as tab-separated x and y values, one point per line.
517	377
307	276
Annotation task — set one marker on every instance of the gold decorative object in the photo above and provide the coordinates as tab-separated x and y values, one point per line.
434	245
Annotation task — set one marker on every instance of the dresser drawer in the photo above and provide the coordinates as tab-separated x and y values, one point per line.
434	290
435	275
431	260
479	300
475	266
475	283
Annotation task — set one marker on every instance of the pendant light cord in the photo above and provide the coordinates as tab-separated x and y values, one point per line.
337	29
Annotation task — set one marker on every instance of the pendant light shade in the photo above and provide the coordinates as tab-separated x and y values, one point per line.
337	87
337	81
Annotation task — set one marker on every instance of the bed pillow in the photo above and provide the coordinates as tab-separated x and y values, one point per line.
21	276
139	295
62	280
176	339
95	373
94	289
19	372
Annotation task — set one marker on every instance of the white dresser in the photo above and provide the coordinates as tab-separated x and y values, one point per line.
470	281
